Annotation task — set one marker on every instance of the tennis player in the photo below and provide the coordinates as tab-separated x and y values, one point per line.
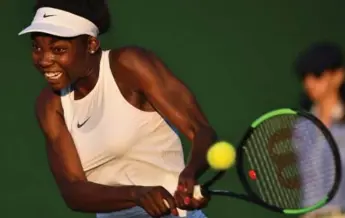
320	68
106	118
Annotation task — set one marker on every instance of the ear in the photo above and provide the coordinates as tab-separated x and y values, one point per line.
341	75
93	44
338	76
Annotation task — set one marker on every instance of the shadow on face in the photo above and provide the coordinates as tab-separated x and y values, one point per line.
324	85
60	60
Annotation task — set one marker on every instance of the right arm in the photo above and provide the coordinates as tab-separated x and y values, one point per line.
78	193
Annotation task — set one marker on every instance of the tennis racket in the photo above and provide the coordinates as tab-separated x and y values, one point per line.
287	162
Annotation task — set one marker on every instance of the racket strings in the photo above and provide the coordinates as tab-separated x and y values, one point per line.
317	167
267	169
270	180
293	162
264	184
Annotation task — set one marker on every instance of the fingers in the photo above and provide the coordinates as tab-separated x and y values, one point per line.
199	203
179	199
150	206
186	188
185	197
194	203
158	202
168	199
189	184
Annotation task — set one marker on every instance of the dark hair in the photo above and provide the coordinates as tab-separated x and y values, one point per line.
96	11
316	60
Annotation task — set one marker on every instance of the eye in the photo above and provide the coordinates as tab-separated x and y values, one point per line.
59	50
35	47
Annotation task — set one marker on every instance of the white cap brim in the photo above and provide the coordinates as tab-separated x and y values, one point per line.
60	23
50	29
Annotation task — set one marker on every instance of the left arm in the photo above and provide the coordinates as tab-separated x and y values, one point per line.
173	100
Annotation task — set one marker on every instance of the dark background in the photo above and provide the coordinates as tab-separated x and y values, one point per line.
236	56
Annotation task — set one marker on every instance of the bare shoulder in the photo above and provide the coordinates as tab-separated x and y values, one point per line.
132	56
123	53
134	66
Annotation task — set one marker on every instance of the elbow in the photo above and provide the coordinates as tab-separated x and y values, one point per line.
73	205
73	197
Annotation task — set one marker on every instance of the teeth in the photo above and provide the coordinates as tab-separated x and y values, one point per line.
53	75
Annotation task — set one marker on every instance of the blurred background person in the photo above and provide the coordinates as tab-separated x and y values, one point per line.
320	68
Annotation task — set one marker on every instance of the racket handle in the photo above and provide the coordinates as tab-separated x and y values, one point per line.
196	195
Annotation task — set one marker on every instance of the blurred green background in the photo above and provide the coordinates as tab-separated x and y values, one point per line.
235	56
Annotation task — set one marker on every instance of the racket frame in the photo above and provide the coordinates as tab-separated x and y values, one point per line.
250	195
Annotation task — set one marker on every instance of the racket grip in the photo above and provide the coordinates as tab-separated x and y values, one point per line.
196	195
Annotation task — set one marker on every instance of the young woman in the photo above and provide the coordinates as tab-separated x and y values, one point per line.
105	118
321	70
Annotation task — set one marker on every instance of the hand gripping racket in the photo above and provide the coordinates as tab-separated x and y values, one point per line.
287	162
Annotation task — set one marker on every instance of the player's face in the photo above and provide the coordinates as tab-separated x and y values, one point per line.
319	88
60	60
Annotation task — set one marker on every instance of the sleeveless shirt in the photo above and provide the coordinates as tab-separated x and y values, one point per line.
117	143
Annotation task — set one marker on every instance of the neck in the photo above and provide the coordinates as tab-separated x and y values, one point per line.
86	83
325	107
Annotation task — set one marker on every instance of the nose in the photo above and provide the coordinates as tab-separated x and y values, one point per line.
45	60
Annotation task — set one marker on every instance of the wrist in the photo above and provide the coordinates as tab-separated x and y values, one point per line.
135	193
195	169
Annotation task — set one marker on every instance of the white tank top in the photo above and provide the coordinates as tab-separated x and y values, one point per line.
119	144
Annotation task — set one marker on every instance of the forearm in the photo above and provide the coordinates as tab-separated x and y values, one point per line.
96	198
201	143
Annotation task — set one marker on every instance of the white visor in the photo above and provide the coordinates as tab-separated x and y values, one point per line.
60	23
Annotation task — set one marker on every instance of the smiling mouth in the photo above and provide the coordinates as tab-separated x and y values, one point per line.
52	75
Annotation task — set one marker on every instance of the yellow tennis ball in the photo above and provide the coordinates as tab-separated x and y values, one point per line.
221	155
